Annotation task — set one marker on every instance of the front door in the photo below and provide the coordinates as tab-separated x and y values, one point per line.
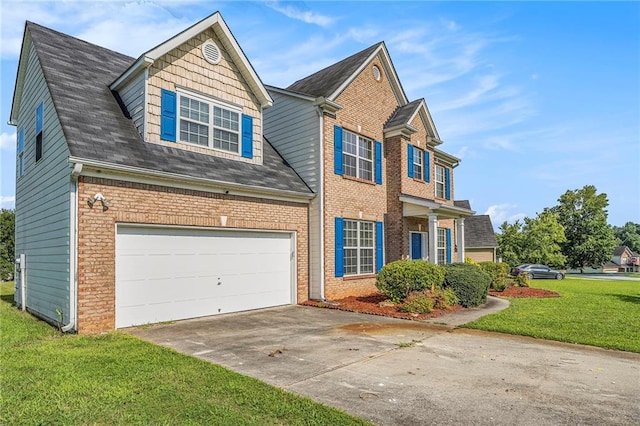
418	245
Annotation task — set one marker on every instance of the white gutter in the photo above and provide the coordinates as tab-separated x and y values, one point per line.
73	246
224	187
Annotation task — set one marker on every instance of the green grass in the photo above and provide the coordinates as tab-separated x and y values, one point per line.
115	378
597	312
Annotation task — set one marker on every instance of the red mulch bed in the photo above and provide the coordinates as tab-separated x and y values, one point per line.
371	305
524	292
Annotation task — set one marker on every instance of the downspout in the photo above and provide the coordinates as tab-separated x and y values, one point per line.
73	245
321	195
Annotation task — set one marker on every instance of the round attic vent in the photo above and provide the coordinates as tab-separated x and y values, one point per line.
376	73
211	52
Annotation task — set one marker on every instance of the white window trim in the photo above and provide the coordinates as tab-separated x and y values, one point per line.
357	155
442	247
417	162
212	103
358	248
440	183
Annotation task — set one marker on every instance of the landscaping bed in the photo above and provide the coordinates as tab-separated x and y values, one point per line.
377	304
514	291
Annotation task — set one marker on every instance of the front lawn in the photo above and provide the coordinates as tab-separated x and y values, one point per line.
116	378
596	312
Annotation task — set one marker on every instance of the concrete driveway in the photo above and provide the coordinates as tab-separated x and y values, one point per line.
396	372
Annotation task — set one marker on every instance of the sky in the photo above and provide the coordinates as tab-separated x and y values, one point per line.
536	98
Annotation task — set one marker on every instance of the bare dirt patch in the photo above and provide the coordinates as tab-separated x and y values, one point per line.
524	292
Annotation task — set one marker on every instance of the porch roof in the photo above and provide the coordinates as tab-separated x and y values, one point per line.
413	206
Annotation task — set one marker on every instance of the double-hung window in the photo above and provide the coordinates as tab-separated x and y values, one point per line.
417	163
358	247
209	124
440	192
357	156
20	152
442	246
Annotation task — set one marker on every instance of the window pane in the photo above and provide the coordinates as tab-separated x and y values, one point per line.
194	110
194	133
349	143
365	148
224	140
350	233
366	261
366	234
366	167
226	119
349	165
350	261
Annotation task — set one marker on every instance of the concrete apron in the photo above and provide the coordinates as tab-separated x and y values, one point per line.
404	372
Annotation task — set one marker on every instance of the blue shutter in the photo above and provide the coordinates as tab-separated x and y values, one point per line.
247	136
378	163
447	184
410	156
448	245
39	112
416	246
379	246
339	247
168	115
337	150
20	141
427	167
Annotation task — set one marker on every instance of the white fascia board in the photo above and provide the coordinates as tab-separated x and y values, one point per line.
438	208
451	160
154	177
390	72
141	63
290	93
25	50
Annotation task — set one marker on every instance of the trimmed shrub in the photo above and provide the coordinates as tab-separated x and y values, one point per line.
398	279
444	298
418	303
499	273
468	282
522	280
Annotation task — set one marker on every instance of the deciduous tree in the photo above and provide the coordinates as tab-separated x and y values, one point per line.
628	235
7	243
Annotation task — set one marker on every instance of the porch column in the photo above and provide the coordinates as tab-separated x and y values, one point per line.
460	239
433	239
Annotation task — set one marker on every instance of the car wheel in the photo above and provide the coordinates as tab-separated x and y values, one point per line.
559	276
530	275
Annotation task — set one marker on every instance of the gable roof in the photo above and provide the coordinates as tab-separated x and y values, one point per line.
404	115
478	232
465	204
331	81
225	36
619	250
97	131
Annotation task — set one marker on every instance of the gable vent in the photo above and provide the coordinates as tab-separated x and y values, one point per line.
211	52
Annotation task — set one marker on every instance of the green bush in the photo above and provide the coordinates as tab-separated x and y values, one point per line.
468	282
418	303
444	298
522	280
398	279
499	273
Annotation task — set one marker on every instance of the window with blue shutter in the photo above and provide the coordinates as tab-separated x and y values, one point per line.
39	125
410	158
339	247
448	245
168	106
379	246
427	167
447	184
247	136
337	150
378	163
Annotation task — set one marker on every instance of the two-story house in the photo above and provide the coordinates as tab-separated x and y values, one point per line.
176	184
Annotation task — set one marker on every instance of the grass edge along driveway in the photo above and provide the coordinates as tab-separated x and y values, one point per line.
116	378
597	312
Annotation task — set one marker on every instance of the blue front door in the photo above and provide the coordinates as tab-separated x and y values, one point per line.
416	245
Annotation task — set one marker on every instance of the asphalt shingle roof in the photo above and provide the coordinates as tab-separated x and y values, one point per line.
465	204
619	250
403	114
478	232
326	81
78	75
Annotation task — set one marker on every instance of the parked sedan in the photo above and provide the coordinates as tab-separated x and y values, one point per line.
537	271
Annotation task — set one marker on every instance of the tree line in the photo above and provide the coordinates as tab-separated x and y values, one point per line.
574	233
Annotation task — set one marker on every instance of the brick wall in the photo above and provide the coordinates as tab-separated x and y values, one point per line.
367	105
151	204
186	67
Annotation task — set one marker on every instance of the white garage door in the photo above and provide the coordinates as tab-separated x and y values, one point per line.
165	274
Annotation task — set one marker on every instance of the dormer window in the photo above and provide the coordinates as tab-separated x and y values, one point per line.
220	130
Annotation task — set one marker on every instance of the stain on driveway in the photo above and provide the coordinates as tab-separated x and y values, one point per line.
402	372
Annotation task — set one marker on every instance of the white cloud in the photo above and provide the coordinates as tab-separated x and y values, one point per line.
7	201
500	213
307	16
7	140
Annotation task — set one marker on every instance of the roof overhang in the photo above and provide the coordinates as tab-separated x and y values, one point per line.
107	170
328	106
229	42
443	157
422	207
25	50
405	130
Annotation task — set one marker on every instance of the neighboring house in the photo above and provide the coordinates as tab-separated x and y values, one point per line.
480	239
384	189
145	189
624	260
176	185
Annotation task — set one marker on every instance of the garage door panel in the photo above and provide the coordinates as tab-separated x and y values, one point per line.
171	274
